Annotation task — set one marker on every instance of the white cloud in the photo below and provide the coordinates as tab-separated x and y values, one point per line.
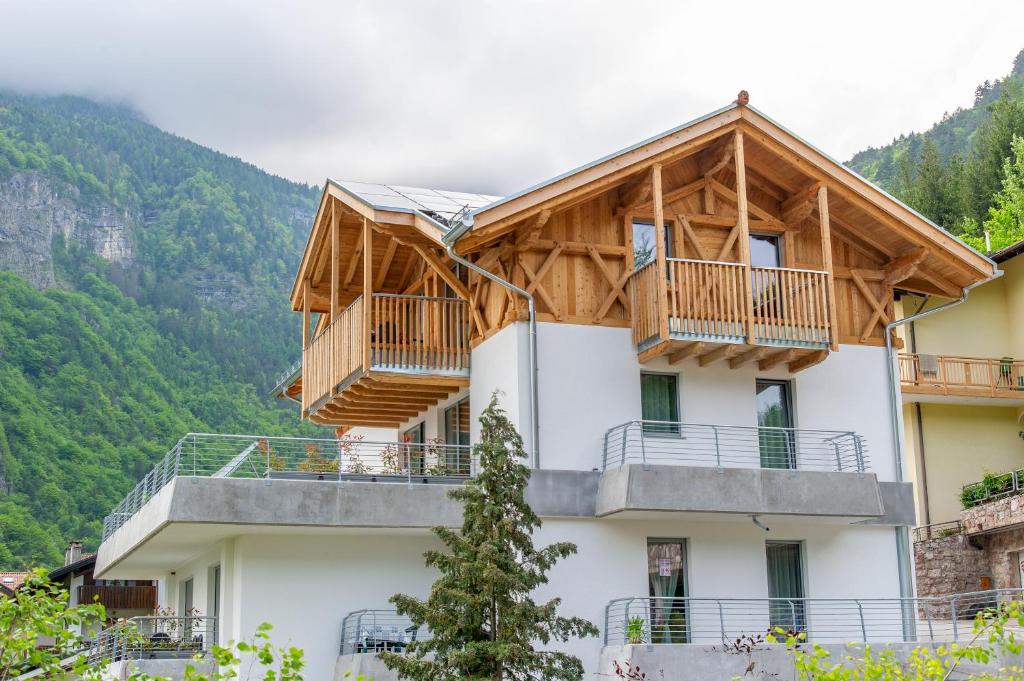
492	96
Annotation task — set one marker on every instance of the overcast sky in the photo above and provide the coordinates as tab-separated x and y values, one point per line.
494	96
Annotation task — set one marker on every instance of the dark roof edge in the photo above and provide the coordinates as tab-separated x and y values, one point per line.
77	565
1011	251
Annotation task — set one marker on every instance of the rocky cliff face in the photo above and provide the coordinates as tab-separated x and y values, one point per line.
34	209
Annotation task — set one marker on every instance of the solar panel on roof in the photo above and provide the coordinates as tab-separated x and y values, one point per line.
443	203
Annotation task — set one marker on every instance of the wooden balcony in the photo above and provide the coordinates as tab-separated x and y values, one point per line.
379	363
723	310
922	374
119	597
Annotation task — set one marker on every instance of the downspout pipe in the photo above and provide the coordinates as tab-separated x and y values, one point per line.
450	240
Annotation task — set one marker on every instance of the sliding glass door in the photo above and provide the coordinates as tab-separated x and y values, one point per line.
786	586
666	573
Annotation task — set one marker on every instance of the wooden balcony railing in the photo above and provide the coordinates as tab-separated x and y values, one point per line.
708	300
413	334
964	376
119	597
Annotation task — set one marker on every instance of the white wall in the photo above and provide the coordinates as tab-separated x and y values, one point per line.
502	363
850	391
590	382
304	584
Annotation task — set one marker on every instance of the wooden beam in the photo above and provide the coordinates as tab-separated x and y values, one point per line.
528	238
771	361
656	350
743	231
335	263
692	236
904	266
690	350
635	193
798	207
659	241
385	264
367	289
749	356
808	360
305	313
826	261
717	157
719	353
353	262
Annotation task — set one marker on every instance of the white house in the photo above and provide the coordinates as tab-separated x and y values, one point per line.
708	406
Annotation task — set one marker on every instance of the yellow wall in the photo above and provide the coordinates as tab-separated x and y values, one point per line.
961	444
1013	284
979	327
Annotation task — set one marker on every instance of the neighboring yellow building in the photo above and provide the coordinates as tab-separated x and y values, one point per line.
962	378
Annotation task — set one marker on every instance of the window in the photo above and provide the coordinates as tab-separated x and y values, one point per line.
786	585
187	605
659	403
412	440
774	420
456	432
765	250
645	243
666	579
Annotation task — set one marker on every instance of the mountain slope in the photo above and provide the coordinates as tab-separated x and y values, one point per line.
952	136
145	295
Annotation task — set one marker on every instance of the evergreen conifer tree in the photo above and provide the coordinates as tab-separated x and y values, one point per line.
481	613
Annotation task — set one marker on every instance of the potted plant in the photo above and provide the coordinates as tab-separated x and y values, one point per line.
636	630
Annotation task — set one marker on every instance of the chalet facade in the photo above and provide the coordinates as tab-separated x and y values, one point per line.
692	336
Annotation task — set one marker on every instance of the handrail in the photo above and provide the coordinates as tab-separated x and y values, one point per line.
961	375
183	637
938	530
660	620
296	458
710	300
993	487
372	631
726	446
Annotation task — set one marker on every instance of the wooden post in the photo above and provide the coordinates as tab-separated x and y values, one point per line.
367	290
305	313
335	264
659	242
743	229
826	262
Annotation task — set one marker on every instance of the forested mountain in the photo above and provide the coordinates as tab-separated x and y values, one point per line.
143	294
963	173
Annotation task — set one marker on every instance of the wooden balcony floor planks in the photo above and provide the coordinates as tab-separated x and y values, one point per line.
384	399
737	354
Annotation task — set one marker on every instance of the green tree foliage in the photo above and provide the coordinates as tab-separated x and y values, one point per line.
956	172
99	377
993	638
1005	224
39	611
481	613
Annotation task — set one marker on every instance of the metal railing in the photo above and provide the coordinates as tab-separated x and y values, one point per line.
252	456
966	376
154	637
698	444
371	631
938	530
652	620
993	487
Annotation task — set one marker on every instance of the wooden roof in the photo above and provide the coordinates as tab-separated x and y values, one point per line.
780	166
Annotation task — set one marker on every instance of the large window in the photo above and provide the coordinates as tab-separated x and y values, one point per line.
659	403
774	420
645	242
786	585
666	578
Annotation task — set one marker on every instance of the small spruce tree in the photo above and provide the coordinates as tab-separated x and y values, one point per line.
484	621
